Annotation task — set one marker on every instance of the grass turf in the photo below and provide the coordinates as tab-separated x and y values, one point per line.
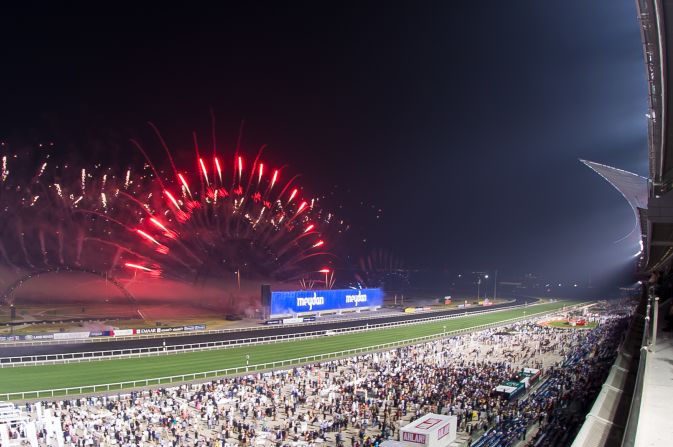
46	377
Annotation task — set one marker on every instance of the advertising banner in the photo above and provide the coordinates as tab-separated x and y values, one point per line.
292	320
101	334
304	301
158	330
70	335
27	337
171	329
122	332
40	337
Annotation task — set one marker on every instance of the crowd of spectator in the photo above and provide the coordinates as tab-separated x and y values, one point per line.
360	401
557	407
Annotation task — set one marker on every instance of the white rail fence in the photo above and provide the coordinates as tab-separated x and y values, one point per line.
88	356
244	369
502	306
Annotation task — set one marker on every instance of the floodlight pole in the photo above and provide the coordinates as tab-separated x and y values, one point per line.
495	285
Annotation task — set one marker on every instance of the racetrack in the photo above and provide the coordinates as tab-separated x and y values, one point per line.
22	382
157	343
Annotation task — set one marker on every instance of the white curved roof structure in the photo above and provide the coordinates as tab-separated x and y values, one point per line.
632	186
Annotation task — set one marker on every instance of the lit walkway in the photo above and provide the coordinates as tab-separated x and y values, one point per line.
655	425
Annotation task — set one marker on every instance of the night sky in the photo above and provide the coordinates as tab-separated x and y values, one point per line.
462	121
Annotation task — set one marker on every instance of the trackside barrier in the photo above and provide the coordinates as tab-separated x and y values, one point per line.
238	370
503	306
77	357
613	418
648	347
99	355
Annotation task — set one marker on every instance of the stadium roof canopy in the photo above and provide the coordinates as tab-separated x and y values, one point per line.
652	14
655	15
634	188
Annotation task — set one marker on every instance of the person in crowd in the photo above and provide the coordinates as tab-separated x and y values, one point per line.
363	400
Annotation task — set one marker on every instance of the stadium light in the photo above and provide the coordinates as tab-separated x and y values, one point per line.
480	275
326	272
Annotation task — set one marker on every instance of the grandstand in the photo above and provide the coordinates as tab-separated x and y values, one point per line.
633	407
360	399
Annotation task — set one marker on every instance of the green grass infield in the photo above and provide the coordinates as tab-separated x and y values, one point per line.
52	376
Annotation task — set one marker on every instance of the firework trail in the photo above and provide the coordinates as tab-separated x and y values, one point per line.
379	267
188	223
41	227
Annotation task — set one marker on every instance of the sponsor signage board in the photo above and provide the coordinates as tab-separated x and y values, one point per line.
447	429
39	337
122	332
112	333
43	337
292	320
12	337
70	335
416	438
27	337
305	301
158	330
431	430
